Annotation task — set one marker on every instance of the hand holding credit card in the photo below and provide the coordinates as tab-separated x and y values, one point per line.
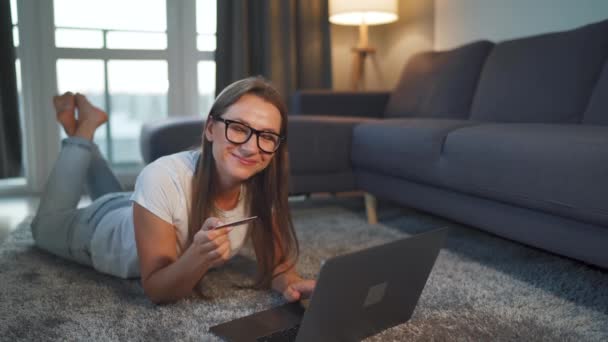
236	223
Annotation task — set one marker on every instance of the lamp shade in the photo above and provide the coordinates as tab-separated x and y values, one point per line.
357	12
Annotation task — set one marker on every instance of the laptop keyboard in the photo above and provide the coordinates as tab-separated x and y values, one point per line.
287	335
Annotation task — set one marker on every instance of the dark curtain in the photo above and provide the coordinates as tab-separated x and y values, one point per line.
286	41
10	133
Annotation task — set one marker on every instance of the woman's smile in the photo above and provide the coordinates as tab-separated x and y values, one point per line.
245	161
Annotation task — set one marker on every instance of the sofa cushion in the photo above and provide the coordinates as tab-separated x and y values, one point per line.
439	84
547	78
407	148
597	111
560	169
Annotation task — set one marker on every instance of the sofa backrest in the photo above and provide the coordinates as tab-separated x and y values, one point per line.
597	110
168	136
545	78
439	84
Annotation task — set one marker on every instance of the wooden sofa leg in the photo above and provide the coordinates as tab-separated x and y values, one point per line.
370	208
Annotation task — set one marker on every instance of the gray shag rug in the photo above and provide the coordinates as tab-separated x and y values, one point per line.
481	288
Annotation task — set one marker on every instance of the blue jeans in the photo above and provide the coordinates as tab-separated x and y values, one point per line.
59	227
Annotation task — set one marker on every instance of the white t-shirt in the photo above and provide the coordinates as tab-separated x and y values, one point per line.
164	188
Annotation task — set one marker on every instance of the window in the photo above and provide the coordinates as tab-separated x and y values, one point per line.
114	24
139	60
127	73
15	31
15	20
138	93
120	61
206	22
206	84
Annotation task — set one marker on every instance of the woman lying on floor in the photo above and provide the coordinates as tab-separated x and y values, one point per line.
164	231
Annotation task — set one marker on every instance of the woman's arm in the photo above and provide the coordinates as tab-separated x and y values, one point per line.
286	279
292	286
165	277
282	280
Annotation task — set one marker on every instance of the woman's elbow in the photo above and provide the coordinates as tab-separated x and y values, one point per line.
159	299
156	295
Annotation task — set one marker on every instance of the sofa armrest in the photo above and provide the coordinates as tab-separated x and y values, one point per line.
176	134
320	153
339	103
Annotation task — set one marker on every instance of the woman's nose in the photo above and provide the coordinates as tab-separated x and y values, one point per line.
251	145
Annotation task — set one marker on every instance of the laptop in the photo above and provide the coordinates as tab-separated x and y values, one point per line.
357	295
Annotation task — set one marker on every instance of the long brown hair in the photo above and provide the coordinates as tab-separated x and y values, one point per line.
274	239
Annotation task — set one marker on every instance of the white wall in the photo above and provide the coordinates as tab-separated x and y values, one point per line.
394	44
461	21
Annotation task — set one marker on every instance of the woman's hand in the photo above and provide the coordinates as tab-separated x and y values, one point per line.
165	276
301	289
213	245
292	287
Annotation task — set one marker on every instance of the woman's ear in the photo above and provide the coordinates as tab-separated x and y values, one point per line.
209	129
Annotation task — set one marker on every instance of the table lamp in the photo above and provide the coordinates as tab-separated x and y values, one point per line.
362	13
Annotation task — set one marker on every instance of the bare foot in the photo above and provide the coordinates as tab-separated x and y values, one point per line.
64	108
89	117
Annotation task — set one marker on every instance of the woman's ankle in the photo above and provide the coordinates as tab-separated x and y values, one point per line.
86	131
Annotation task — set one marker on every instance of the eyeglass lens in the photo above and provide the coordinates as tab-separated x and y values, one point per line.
239	134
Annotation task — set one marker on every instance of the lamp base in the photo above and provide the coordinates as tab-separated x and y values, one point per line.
359	55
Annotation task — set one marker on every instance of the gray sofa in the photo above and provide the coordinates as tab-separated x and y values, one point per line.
511	138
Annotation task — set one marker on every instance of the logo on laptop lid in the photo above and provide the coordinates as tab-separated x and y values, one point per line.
375	294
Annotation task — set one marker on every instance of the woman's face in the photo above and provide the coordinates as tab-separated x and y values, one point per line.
238	162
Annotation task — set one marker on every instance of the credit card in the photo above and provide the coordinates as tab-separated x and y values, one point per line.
236	223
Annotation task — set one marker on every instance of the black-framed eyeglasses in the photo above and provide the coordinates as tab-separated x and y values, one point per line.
240	133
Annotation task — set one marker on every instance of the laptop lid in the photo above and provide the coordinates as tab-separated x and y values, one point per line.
357	295
365	292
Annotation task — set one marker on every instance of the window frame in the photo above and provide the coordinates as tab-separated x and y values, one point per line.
38	57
